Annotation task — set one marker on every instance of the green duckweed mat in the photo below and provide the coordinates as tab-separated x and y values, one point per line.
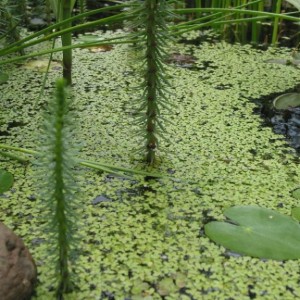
144	239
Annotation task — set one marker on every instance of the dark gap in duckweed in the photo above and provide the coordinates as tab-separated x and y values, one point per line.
251	293
284	122
209	37
4	133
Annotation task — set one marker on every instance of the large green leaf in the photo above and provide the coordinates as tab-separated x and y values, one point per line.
6	181
257	232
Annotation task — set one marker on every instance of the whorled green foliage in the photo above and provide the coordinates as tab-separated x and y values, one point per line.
8	23
56	164
150	16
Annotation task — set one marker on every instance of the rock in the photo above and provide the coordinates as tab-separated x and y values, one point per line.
37	23
100	199
17	269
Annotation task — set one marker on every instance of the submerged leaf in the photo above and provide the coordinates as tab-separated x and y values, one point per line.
257	232
41	65
100	48
6	181
166	287
280	61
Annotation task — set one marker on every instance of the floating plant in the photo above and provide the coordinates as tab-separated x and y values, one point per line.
257	232
286	101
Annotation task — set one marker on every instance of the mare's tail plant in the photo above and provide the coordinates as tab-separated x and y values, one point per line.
150	19
9	30
55	172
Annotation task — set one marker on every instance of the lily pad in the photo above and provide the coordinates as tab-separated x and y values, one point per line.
166	287
257	232
3	78
139	286
6	181
287	100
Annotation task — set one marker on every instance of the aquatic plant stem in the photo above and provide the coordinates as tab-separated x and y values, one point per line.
151	81
66	39
152	36
55	166
59	194
276	24
83	9
256	26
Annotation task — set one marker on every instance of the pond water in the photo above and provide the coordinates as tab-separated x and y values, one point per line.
285	122
141	238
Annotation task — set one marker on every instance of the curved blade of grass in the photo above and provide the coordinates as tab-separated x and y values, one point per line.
8	49
85	45
95	165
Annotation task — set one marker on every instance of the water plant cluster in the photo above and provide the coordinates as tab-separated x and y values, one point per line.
138	229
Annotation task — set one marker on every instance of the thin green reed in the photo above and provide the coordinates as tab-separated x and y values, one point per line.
256	25
198	5
63	12
276	23
67	41
241	28
83	9
216	3
226	29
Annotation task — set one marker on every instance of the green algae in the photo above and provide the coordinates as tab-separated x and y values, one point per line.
151	231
